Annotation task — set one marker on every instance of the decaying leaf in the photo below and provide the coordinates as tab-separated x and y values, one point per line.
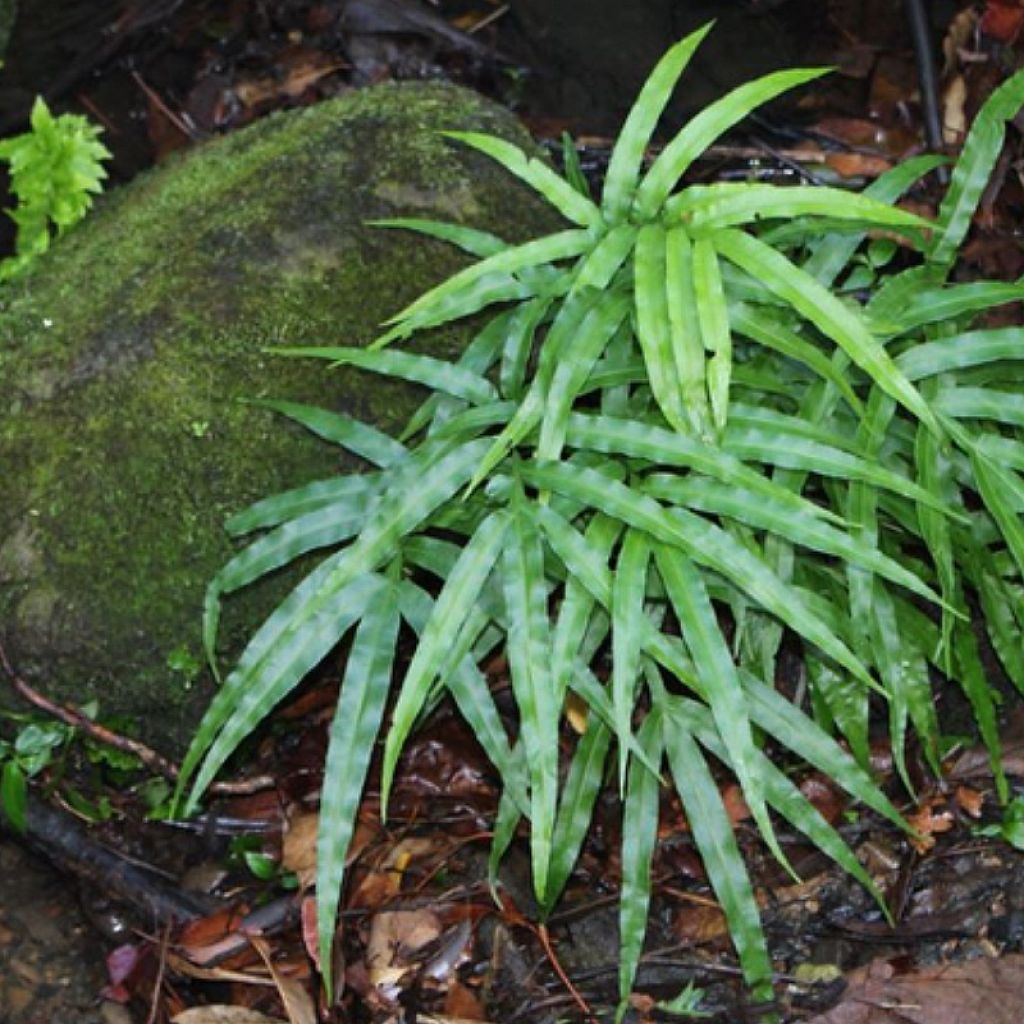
299	851
223	1015
969	800
928	820
954	119
978	992
394	936
294	995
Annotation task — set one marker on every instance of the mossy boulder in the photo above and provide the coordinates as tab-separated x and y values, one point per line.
126	357
7	12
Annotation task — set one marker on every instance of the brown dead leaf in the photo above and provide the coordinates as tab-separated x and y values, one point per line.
853	131
734	804
824	796
395	935
200	939
310	936
978	992
180	965
857	165
460	1001
954	117
970	800
958	37
928	822
298	1003
223	1015
443	1018
298	853
1003	20
301	69
700	924
385	880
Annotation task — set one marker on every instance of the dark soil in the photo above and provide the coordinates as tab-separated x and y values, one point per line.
165	75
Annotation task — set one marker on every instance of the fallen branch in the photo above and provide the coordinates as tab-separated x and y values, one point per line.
66	842
72	716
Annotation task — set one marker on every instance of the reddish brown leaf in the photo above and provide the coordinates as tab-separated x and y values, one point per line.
700	924
927	821
735	806
970	800
1002	20
299	850
824	796
978	992
459	1001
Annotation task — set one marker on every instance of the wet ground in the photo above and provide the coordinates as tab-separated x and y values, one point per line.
166	75
51	961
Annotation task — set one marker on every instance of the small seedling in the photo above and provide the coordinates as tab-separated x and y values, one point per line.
56	169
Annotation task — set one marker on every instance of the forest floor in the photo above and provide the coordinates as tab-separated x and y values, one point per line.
422	937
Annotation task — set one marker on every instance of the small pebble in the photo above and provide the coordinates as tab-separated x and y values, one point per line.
114	1013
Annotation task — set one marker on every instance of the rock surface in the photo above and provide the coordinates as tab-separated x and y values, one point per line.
7	12
124	359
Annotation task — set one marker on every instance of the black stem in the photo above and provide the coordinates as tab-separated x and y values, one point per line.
920	31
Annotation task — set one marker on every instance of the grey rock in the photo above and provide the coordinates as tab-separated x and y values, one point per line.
125	359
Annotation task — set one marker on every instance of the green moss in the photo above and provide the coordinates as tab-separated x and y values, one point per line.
126	356
8	10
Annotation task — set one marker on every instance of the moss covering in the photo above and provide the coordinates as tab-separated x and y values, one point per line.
7	13
124	357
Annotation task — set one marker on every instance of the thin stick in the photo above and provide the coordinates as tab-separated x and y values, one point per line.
545	941
70	715
154	1008
181	122
488	19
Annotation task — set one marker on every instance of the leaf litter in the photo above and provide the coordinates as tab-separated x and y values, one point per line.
408	890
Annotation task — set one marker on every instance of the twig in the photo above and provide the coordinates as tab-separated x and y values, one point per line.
154	1008
181	122
488	19
71	847
97	114
577	998
155	762
920	31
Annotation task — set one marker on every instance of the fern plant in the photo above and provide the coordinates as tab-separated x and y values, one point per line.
56	169
670	412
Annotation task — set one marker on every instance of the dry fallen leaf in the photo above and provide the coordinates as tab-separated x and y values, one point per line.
303	69
734	804
927	822
296	999
385	880
958	37
699	924
857	165
223	1015
576	713
970	800
298	852
461	1002
978	992
954	119
394	936
1003	20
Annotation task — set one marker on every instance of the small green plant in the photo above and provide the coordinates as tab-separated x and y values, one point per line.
184	663
680	433
56	169
33	748
1011	828
40	744
686	1004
